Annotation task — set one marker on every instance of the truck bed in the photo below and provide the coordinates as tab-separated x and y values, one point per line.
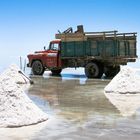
109	46
105	50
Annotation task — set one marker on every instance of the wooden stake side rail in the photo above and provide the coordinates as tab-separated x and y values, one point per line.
109	34
96	35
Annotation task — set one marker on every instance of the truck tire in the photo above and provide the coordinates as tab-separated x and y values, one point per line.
94	70
56	71
111	71
37	68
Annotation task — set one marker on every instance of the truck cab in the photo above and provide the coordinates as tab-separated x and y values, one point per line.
47	59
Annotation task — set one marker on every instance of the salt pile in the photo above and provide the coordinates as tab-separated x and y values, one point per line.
126	81
122	91
13	72
16	109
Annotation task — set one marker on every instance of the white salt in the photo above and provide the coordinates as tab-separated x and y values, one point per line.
127	104
126	81
13	72
16	109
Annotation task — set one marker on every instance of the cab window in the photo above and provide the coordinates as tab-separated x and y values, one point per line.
54	46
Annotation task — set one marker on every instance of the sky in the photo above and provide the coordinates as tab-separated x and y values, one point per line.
28	25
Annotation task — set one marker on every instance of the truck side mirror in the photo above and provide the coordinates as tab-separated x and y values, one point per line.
44	47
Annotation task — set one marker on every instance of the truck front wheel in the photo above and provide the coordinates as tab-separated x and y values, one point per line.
56	71
37	68
94	70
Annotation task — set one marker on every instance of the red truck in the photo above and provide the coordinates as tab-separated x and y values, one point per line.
97	52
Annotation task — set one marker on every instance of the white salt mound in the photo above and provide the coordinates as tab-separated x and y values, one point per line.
126	81
13	73
16	109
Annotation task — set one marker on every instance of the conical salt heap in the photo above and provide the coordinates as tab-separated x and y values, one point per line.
13	72
16	109
124	91
126	81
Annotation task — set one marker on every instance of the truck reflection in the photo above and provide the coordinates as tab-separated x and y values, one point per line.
70	99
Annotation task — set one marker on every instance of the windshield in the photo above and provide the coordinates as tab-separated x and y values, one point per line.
54	46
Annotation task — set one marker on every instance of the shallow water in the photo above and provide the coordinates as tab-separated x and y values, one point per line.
78	109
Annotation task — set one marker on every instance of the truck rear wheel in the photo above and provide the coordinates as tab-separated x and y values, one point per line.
56	71
37	68
94	70
111	71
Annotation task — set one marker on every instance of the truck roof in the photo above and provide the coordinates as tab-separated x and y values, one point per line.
56	41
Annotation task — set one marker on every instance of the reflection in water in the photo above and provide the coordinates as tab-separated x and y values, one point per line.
76	107
72	99
127	104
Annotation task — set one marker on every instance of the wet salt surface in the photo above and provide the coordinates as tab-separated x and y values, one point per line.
78	110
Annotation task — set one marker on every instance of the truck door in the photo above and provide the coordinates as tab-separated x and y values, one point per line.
53	55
